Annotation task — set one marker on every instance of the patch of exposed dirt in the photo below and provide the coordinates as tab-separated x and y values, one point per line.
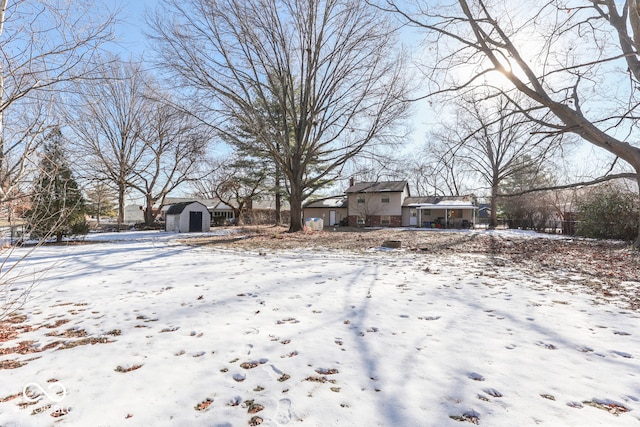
614	265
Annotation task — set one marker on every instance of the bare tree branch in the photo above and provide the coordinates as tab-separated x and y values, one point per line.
331	67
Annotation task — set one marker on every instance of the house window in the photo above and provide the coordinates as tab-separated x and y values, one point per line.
385	199
414	213
361	220
360	198
385	220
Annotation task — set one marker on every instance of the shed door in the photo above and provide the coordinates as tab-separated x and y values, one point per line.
195	221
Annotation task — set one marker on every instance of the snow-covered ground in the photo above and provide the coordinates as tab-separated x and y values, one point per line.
141	330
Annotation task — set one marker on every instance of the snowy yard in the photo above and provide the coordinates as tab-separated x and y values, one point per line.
146	331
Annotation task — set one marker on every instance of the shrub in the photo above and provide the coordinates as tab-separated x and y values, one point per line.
609	212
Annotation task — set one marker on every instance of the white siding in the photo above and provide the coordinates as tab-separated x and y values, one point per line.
179	223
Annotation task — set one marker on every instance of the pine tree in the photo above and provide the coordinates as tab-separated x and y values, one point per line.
57	205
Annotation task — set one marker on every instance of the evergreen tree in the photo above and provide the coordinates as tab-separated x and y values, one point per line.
57	205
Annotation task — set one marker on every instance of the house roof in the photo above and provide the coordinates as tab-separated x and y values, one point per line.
219	205
178	208
440	202
329	202
377	187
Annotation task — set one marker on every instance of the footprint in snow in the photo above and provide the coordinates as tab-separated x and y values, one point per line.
283	413
235	401
470	416
492	392
547	345
475	376
275	372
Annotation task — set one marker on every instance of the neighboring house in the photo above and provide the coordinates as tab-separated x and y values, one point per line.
389	203
188	217
332	210
133	214
220	212
439	212
376	203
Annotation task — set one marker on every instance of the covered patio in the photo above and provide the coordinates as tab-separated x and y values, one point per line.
451	214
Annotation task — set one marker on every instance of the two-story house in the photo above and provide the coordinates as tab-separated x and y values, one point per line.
376	204
390	204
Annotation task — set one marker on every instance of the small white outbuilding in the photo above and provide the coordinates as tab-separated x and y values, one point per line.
187	217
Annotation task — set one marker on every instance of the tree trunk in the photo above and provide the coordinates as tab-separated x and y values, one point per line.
121	191
493	219
278	218
238	214
99	210
295	223
149	217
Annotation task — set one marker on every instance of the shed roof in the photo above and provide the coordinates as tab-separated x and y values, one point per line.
178	208
377	187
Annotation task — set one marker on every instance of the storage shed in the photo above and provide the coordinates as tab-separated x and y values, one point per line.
187	217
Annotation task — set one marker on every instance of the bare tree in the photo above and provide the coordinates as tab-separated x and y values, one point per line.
444	172
46	47
236	182
569	60
494	141
331	66
174	144
99	199
108	120
523	208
